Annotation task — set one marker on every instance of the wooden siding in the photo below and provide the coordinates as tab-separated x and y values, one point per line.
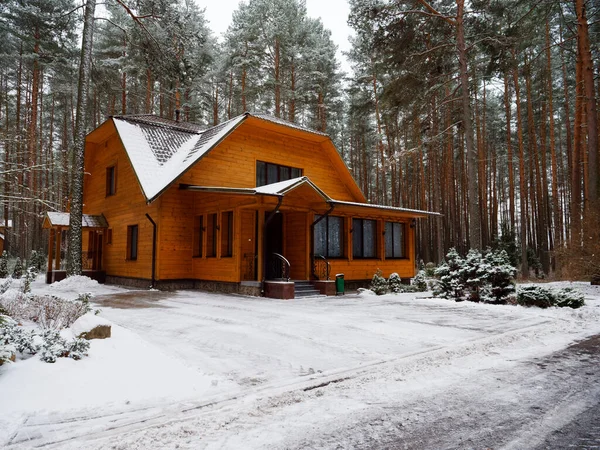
233	162
126	207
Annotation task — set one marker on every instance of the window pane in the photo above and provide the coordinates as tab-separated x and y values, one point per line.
296	172
272	173
284	173
398	240
335	237
320	247
389	240
369	239
357	237
211	235
261	174
197	242
132	242
227	234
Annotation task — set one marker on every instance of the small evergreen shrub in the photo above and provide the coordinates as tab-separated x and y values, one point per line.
78	348
430	270
395	283
535	296
379	284
4	265
544	297
569	298
474	275
419	282
449	281
501	276
36	262
18	269
30	275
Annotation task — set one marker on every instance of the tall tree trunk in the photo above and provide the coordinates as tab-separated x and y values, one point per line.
522	181
74	262
511	170
473	182
277	64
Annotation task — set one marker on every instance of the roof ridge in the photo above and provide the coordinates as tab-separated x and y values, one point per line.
163	122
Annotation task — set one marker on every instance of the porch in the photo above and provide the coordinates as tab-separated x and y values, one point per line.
93	238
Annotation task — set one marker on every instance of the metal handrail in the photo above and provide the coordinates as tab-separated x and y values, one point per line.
324	271
285	266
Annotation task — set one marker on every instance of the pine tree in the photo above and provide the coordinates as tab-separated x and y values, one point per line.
18	269
379	284
4	265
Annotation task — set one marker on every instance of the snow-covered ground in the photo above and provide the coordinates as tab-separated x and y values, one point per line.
198	370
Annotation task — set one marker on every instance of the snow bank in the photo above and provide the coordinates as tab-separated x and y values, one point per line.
75	282
87	323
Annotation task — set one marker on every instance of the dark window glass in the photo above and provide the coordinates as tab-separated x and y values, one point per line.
364	238
268	173
329	237
132	242
261	173
197	242
109	236
211	236
227	234
111	181
394	240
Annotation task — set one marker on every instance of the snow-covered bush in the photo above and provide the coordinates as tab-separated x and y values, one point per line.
419	282
30	275
430	270
5	285
78	348
473	273
36	262
379	284
7	348
545	297
501	276
48	311
395	283
4	265
53	346
449	282
18	269
535	296
569	298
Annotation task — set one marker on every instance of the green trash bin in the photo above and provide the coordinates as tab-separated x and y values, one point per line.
339	284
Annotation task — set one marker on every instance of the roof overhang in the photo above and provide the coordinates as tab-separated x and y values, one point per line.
285	187
62	220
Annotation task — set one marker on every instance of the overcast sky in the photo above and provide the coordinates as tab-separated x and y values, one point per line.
333	13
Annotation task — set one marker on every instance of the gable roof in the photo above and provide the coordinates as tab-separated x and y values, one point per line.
161	150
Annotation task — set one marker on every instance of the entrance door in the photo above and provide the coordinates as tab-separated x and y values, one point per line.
274	244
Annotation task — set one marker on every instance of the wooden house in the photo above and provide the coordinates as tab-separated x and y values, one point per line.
250	205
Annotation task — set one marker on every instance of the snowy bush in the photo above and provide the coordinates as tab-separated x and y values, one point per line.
488	278
501	276
535	296
545	297
30	275
379	284
395	283
36	262
430	270
48	311
18	269
569	298
420	281
4	265
5	285
449	281
78	348
53	346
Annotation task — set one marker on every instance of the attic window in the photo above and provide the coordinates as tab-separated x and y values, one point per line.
111	180
269	173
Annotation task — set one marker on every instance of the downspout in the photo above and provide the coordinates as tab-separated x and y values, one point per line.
264	243
153	250
312	232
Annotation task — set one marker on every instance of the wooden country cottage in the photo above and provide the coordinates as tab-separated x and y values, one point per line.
250	205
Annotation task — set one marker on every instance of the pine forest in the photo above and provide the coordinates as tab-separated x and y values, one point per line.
483	111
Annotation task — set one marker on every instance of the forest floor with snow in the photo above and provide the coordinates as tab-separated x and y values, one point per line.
191	369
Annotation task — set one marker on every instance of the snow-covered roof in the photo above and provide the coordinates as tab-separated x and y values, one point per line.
61	219
161	150
386	208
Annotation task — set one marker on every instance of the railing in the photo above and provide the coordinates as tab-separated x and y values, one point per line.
279	268
320	267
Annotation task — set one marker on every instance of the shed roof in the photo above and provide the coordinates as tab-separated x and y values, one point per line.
61	219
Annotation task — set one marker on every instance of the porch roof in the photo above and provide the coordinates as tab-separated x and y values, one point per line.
281	188
61	219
